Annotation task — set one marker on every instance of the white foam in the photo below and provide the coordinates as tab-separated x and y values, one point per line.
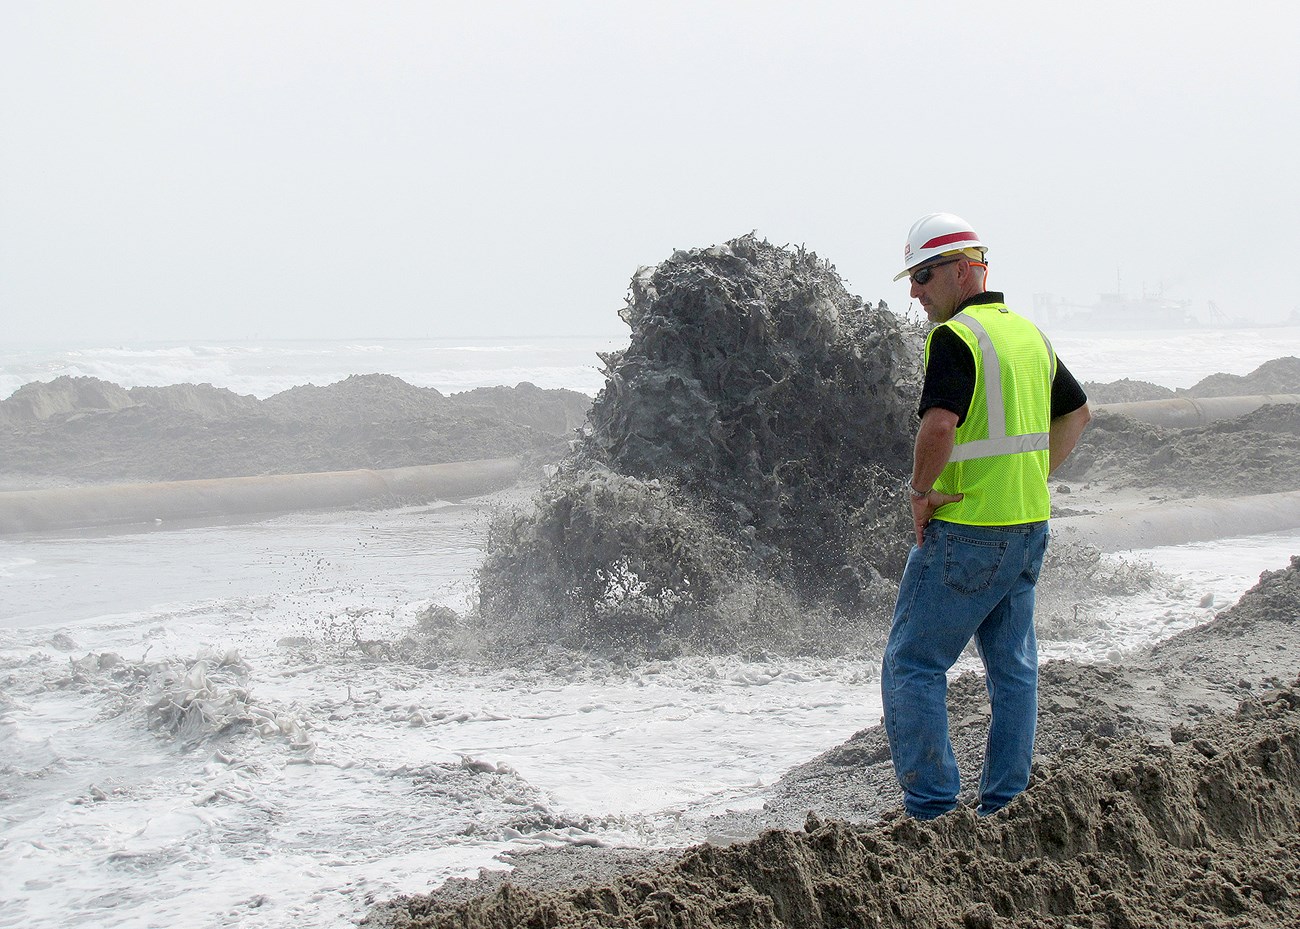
356	777
14	569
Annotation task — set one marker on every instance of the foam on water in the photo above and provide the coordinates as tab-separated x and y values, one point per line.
291	780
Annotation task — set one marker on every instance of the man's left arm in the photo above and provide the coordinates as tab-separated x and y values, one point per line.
1064	435
1069	415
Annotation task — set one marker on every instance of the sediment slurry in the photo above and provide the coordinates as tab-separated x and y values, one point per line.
1167	792
737	477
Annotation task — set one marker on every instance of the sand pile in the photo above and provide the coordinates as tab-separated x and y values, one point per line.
1125	391
1278	376
1253	454
83	429
737	480
38	402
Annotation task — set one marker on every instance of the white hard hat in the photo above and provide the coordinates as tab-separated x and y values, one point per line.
937	234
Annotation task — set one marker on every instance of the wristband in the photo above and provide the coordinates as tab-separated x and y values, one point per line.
916	494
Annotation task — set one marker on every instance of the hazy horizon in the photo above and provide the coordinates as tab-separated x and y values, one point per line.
298	170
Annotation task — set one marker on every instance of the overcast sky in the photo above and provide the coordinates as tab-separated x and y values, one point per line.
226	170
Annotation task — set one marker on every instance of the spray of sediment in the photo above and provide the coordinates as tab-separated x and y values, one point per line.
735	484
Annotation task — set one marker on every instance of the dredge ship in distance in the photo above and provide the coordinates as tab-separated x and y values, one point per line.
1122	311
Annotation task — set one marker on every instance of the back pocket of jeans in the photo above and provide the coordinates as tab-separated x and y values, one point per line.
969	565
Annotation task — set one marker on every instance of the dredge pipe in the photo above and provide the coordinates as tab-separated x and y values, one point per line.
124	504
1185	412
1200	519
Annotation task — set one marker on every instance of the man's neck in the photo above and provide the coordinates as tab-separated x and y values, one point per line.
983	296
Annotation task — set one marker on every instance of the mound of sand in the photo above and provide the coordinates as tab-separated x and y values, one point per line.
39	402
83	429
1278	376
202	400
1254	454
1125	391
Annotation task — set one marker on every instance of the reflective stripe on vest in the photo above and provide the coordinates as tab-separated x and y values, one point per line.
998	442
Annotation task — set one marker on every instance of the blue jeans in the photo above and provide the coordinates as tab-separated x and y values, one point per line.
964	582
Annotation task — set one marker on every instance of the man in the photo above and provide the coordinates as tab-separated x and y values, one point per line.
998	413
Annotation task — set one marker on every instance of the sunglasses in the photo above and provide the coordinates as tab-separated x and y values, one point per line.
922	275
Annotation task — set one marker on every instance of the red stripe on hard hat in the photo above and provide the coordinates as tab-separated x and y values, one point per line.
951	238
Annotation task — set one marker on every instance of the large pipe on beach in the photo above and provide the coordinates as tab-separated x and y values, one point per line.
1186	412
1176	522
123	504
1200	519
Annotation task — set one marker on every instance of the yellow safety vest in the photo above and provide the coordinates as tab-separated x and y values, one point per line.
1000	456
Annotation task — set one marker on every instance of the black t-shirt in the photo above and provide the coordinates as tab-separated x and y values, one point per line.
950	375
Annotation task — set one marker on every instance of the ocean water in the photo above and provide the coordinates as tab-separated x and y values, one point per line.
198	727
265	368
1170	358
